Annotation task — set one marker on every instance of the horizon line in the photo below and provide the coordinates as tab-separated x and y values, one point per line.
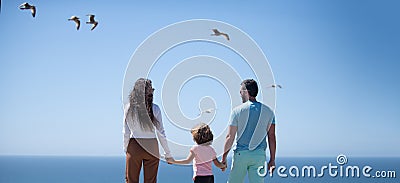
99	155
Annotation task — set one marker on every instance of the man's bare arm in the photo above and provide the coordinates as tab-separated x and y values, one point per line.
272	145
230	137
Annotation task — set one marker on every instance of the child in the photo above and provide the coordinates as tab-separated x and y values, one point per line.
202	154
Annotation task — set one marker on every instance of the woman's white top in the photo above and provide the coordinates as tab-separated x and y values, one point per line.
132	129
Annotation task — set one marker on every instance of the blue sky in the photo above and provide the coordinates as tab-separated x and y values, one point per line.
61	89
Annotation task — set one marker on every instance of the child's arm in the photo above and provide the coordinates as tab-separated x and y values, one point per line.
219	164
188	160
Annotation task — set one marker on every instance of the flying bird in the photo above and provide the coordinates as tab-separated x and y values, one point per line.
275	86
27	6
76	20
207	111
217	33
92	21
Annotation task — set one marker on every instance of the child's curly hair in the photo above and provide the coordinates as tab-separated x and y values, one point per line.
202	134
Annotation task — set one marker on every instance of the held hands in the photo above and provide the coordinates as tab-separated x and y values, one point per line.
224	168
170	160
223	161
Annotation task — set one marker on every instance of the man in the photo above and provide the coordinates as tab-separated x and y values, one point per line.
251	122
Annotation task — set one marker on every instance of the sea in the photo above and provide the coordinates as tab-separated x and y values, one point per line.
84	169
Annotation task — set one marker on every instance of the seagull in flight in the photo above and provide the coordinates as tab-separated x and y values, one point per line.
275	86
76	20
218	33
210	110
27	6
92	21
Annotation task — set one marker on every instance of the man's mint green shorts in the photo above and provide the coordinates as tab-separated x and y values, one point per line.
247	162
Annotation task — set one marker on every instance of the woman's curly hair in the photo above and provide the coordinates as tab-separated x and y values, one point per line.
202	134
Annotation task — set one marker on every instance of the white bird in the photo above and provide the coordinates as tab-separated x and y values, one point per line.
92	21
210	110
275	86
218	33
27	6
76	20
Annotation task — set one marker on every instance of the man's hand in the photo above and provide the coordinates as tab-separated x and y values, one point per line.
225	165
223	160
271	166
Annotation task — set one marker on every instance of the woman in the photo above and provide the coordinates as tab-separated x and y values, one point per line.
142	123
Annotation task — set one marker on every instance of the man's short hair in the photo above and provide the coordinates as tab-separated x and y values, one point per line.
251	87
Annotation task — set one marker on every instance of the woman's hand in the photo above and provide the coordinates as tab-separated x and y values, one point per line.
170	160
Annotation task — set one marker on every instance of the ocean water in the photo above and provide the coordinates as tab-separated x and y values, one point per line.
57	169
